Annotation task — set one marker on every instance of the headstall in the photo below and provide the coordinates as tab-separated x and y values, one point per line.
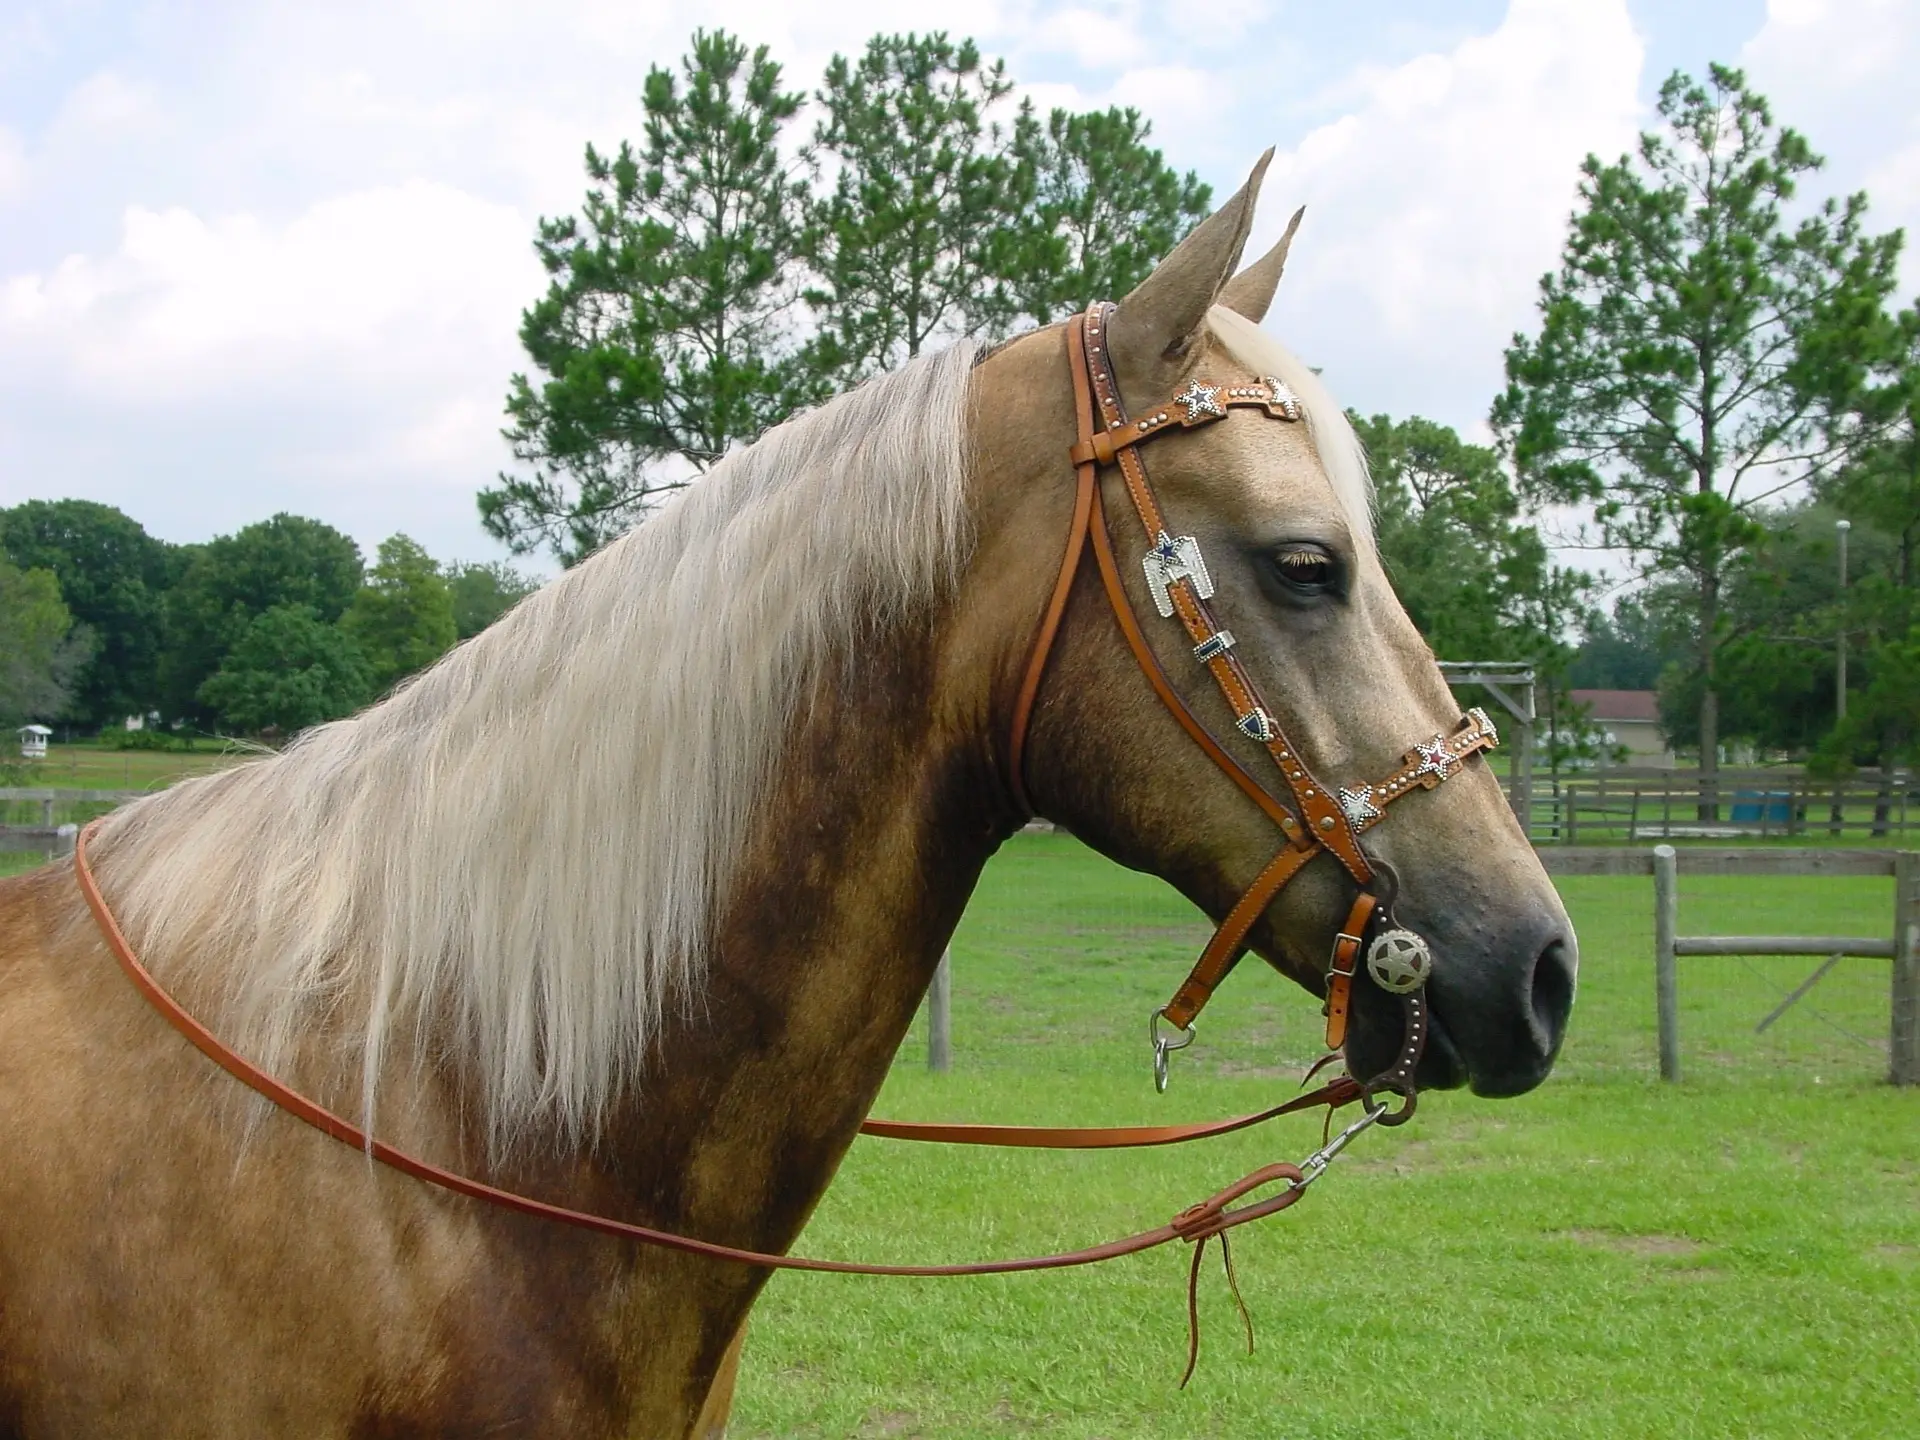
1319	820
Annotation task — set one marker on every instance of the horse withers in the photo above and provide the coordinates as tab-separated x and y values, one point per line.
627	903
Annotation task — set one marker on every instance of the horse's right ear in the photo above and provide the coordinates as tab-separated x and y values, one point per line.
1154	328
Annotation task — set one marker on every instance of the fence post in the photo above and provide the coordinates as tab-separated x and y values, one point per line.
63	839
1903	1066
940	1016
1666	923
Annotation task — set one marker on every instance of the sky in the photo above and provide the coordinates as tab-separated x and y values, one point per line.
261	256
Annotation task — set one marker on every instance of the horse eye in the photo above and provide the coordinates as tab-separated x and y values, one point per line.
1307	568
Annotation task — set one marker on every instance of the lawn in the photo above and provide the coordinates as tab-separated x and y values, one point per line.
1734	1256
89	766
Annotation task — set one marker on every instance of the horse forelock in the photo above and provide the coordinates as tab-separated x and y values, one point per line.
1342	456
524	851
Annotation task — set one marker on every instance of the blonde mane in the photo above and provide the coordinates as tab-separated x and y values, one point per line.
522	852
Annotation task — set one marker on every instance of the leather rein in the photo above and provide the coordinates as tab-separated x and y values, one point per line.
1180	584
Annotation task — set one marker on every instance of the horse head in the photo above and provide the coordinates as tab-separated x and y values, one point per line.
1266	515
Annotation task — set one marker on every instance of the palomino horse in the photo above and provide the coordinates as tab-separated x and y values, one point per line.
627	903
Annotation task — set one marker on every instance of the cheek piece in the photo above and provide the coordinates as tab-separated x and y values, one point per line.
1312	818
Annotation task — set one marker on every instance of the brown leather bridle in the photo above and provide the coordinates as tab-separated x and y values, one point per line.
1106	436
1320	818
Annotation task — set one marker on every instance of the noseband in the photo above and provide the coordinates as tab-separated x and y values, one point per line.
1313	817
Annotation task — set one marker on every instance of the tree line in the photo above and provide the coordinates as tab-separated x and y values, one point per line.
276	627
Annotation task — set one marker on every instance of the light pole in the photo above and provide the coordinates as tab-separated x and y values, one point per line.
1840	667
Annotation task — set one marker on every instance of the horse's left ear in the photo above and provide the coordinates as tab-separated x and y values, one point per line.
1251	291
1154	328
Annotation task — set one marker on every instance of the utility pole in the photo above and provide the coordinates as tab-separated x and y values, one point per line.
1840	667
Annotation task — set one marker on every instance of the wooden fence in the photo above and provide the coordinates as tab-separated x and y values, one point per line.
1901	945
1641	804
49	809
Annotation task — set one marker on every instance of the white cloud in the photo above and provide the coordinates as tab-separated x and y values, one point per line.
1841	72
13	164
381	282
1436	204
348	363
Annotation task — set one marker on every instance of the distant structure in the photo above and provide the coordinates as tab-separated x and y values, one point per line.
1631	719
33	742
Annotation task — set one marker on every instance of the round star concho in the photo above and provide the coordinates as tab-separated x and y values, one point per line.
1399	961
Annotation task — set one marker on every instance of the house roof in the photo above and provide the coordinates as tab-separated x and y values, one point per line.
1618	704
35	730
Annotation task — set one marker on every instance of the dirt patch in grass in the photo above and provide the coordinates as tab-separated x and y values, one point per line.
890	1424
1666	1247
1423	1155
1892	1250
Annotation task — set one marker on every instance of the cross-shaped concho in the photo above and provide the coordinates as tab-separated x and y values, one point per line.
1200	401
1281	397
1170	560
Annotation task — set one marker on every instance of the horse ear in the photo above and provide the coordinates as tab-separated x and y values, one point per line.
1155	326
1251	291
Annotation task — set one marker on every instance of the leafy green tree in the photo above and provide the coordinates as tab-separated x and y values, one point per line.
1474	574
664	336
1880	493
483	591
904	240
1093	209
226	583
1689	345
288	669
113	577
1623	650
402	618
41	649
1780	613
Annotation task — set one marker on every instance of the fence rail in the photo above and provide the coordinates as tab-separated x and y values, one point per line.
1645	804
1663	863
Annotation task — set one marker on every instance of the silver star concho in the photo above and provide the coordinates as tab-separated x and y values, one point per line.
1170	560
1200	401
1435	759
1280	394
1359	807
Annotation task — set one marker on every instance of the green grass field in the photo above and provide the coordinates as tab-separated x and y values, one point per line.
1735	1256
89	766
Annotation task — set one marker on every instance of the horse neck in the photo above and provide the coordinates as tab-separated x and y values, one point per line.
870	840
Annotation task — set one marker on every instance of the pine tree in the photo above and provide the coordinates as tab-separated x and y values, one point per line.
902	240
1688	346
1094	209
664	336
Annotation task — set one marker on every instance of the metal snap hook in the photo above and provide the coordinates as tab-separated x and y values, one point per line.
1165	1045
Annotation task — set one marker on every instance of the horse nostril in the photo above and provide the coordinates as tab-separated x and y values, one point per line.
1553	973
